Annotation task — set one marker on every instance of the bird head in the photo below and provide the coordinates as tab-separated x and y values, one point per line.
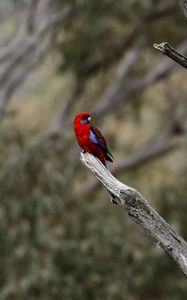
82	118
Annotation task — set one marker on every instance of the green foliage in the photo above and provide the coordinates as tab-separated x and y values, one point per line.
98	26
56	243
57	246
95	35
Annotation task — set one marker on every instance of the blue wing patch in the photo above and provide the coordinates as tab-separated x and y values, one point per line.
93	137
96	137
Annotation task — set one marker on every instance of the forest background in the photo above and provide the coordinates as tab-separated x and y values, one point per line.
60	237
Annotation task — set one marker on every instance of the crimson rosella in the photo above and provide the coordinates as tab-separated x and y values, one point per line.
91	140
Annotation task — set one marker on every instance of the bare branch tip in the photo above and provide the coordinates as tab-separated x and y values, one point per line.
160	47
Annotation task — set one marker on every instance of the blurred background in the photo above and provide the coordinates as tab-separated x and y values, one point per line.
60	237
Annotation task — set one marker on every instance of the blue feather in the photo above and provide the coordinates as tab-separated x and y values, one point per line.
93	137
84	121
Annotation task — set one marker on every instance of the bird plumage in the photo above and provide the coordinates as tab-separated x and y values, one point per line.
91	140
97	138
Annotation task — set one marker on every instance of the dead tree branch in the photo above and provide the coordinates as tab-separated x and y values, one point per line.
160	146
168	50
183	4
141	212
124	93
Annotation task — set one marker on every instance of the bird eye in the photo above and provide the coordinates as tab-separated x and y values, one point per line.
84	120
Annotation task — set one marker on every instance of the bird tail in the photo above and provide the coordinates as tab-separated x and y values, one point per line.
109	156
112	197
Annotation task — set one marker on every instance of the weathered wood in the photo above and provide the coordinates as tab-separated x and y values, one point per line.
141	212
168	50
183	4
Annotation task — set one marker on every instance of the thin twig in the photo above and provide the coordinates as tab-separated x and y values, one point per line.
183	4
168	50
162	70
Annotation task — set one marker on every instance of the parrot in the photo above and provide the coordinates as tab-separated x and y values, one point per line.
91	140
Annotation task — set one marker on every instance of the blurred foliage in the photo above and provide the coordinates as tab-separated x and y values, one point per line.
56	246
55	243
97	32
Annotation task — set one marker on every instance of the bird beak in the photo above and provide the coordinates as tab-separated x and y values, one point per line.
89	119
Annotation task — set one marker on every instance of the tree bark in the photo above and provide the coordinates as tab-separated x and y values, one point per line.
141	212
168	50
183	4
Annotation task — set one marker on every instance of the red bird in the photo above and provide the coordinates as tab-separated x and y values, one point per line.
91	140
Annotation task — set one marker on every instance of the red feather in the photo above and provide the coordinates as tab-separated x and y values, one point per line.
82	132
96	146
